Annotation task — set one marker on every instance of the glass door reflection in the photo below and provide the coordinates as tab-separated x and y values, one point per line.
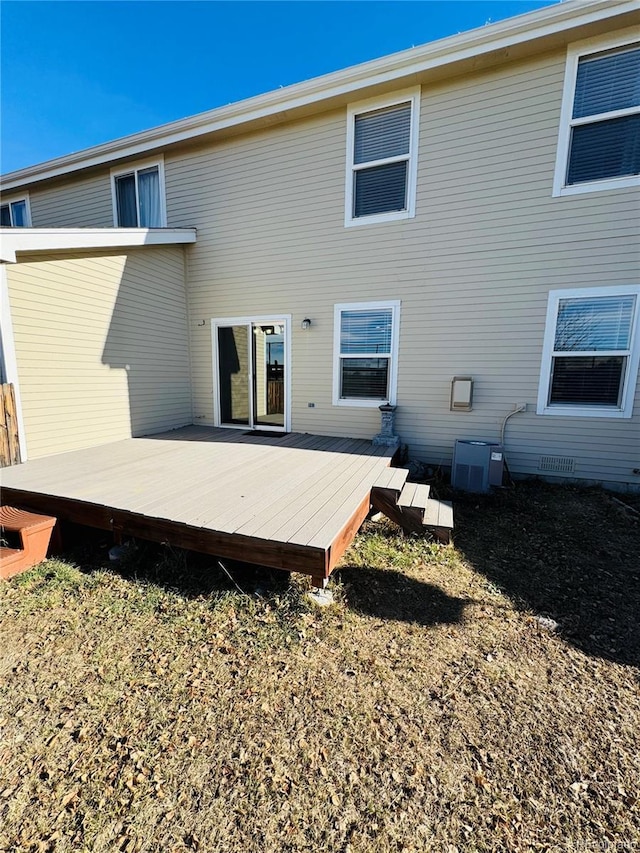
251	374
268	374
234	370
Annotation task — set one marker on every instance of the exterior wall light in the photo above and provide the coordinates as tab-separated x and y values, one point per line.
306	324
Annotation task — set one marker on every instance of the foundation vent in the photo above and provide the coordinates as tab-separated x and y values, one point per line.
558	464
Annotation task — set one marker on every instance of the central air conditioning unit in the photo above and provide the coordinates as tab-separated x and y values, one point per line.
477	465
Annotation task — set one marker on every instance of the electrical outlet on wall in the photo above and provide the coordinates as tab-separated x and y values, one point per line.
521	407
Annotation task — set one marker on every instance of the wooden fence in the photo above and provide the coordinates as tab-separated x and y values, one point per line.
275	397
9	438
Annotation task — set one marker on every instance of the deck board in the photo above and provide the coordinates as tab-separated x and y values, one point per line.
304	503
407	494
282	500
284	474
350	488
275	499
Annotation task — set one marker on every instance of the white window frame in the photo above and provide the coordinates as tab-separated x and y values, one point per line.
133	169
574	53
625	409
408	95
13	200
394	304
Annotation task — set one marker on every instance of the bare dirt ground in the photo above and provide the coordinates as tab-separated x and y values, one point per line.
483	696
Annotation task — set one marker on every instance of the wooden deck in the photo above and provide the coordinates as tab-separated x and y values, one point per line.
291	502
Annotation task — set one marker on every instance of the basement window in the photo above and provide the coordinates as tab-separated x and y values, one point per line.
138	196
365	353
599	143
382	144
591	352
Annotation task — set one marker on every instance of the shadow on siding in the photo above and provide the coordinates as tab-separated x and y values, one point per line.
147	338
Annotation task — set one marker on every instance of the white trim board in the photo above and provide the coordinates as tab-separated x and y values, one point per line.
14	240
549	21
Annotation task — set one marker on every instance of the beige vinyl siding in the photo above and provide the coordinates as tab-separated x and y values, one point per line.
101	346
76	203
473	268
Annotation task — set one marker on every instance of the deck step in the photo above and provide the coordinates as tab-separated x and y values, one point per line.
438	518
410	506
414	495
35	534
392	479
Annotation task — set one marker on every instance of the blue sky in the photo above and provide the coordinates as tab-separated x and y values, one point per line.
75	74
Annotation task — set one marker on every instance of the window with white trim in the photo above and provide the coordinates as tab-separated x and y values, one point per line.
382	143
15	213
365	353
591	352
599	144
138	196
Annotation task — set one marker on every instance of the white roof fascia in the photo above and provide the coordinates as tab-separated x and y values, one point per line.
548	21
14	240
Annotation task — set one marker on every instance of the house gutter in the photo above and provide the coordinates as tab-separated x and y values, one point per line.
549	21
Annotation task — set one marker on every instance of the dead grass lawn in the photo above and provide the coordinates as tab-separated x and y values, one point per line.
158	709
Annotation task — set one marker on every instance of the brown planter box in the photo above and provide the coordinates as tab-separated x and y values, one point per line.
35	534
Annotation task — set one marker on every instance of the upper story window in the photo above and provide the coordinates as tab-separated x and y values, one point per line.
15	213
138	196
599	144
591	352
382	145
365	353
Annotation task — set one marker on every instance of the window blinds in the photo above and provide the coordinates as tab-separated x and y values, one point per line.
607	82
381	135
587	380
367	334
598	325
592	325
610	147
605	149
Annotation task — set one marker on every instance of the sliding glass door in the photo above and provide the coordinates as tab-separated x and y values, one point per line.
251	372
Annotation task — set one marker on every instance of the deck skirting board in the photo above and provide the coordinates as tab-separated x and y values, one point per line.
263	552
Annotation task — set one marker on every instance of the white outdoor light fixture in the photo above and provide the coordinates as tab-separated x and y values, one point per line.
306	324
